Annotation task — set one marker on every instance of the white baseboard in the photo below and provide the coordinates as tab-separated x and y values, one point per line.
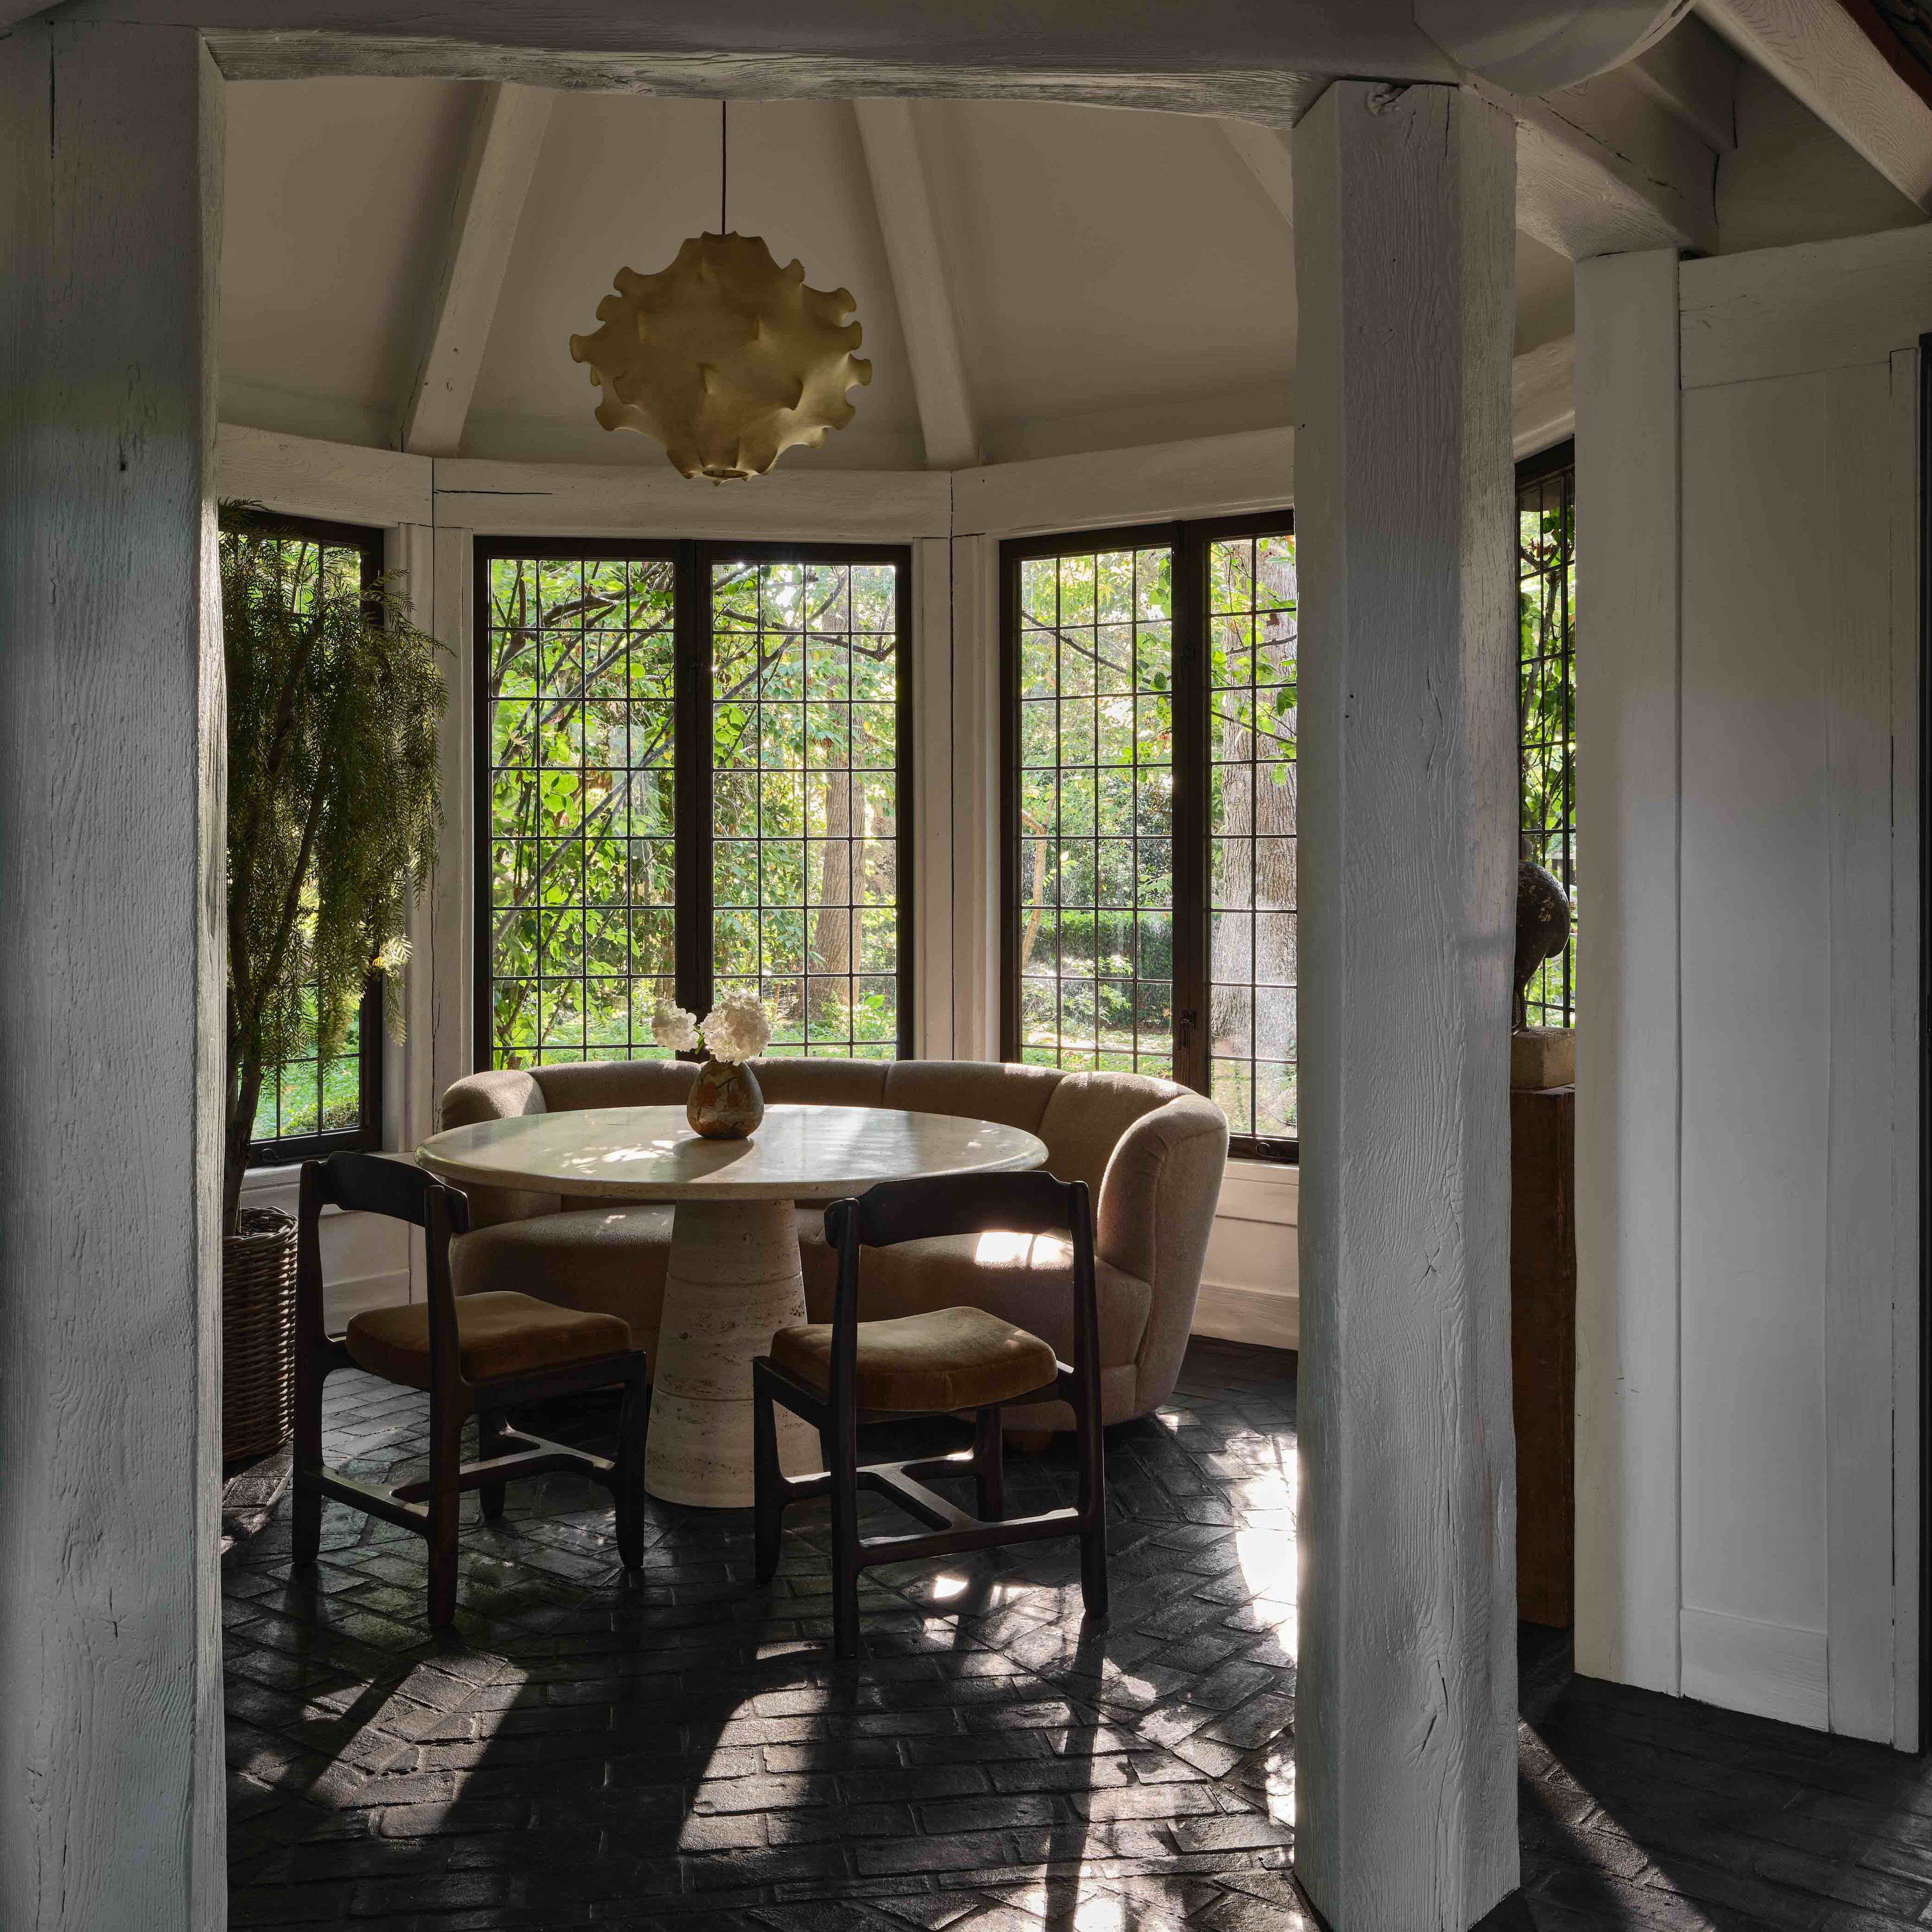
1257	1315
1772	1670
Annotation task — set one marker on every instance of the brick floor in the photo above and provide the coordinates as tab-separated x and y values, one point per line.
681	1751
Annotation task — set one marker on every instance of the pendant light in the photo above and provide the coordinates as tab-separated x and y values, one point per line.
726	359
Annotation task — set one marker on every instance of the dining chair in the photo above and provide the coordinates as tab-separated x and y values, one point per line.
487	1353
842	1374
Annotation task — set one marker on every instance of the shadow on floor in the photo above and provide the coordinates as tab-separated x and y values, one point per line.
681	1749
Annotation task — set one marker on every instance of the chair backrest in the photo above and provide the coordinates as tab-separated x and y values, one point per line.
958	1204
369	1183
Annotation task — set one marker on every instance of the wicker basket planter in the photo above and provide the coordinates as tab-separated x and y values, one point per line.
258	1334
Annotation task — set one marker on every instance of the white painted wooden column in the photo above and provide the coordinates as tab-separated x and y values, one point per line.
1629	807
1405	1730
111	799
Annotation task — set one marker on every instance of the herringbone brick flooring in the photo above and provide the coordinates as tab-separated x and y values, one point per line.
681	1752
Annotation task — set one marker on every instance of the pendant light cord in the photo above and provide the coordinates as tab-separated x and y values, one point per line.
724	162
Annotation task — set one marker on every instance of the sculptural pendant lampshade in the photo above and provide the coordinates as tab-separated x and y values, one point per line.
727	359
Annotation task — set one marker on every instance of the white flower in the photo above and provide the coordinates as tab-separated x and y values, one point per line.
738	1028
674	1028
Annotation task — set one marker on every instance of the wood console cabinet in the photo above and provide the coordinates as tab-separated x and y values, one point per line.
1542	1349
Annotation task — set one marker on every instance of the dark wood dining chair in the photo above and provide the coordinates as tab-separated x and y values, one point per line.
487	1353
840	1375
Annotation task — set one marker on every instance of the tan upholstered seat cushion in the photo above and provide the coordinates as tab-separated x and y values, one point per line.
926	1364
606	1261
497	1335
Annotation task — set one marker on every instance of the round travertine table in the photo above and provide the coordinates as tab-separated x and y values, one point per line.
734	1278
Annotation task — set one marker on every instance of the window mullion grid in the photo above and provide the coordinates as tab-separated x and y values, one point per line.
692	853
1191	1024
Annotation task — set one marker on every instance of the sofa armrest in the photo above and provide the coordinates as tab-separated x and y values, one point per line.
1156	1211
500	1095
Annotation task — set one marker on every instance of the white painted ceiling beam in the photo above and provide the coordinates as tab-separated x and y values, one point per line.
1198	56
1816	52
505	140
1264	152
1619	163
1607	167
916	253
1692	74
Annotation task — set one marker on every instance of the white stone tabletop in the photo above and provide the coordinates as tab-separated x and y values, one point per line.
650	1154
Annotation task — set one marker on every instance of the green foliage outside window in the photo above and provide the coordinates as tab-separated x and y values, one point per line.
1547	602
334	703
799	676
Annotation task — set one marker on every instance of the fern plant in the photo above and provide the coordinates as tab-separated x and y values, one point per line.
334	700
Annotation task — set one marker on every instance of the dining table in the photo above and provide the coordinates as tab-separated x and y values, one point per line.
734	1277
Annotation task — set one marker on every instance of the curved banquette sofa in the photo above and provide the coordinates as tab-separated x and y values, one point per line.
1152	1152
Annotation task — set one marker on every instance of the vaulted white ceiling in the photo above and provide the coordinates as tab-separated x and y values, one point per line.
1117	277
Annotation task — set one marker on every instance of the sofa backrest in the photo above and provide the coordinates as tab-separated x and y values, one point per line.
616	1083
1015	1097
1087	1114
822	1083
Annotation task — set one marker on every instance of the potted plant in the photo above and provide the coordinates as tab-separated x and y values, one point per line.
335	701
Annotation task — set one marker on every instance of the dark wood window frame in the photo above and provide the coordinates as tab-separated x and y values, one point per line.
1192	543
691	562
366	1137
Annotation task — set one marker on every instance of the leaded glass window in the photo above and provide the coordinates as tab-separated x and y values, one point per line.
309	1104
805	745
1149	862
696	781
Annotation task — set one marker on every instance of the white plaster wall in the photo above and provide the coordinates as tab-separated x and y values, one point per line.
1251	1282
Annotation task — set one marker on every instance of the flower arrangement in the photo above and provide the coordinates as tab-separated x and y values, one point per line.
738	1028
725	1101
674	1028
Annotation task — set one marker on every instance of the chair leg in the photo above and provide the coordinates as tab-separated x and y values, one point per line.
1093	1505
446	1499
767	1479
989	1468
307	1524
491	1426
843	1463
630	1495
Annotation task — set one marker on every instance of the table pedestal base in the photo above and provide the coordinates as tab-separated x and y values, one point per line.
733	1280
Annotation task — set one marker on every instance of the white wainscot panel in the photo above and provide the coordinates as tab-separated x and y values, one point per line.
1250	1286
1773	1670
365	1258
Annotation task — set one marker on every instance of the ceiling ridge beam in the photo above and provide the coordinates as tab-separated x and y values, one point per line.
922	286
1818	52
506	138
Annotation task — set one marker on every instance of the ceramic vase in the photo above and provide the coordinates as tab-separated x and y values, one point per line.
725	1102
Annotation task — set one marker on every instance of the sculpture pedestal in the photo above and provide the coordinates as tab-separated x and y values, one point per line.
1542	1057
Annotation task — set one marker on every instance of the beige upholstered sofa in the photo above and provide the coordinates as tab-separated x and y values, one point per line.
1152	1152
